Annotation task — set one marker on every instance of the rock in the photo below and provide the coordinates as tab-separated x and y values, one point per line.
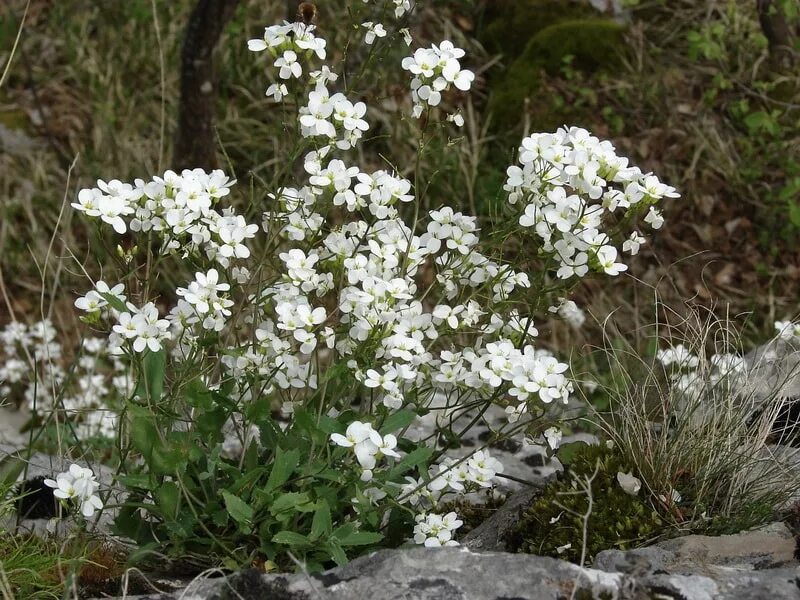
767	547
11	421
773	369
458	574
489	535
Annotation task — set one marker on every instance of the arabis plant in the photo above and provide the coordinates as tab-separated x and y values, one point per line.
318	338
76	488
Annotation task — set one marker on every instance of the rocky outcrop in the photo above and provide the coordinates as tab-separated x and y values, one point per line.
458	574
764	548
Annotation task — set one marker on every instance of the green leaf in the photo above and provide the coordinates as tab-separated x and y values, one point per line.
141	481
567	452
154	365
317	428
238	508
358	538
412	459
293	501
197	394
115	302
398	420
11	467
146	439
321	524
282	468
290	538
794	213
336	552
167	496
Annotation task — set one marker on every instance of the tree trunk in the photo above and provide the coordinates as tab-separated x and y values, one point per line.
777	31
195	143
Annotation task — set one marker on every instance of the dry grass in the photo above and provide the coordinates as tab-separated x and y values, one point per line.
716	448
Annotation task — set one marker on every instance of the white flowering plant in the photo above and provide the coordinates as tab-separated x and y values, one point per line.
276	392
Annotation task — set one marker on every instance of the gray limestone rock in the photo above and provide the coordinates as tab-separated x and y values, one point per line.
458	574
768	547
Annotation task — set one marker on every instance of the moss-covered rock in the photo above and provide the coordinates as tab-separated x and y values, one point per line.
583	46
554	520
507	25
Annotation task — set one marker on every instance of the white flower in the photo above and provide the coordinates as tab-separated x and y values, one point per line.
356	433
288	65
434	530
607	256
553	436
77	484
373	30
633	243
277	91
654	218
630	484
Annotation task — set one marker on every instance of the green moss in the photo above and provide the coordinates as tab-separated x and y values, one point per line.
594	44
618	519
574	47
507	25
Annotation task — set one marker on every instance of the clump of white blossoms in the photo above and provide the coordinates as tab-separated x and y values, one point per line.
407	312
574	190
434	530
434	71
289	44
177	208
77	485
693	376
31	360
367	444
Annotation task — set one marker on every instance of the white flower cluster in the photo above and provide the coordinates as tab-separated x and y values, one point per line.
326	115
78	485
31	367
333	117
288	44
475	472
434	530
204	298
434	70
378	263
572	187
177	207
679	356
143	327
29	352
693	377
368	445
204	303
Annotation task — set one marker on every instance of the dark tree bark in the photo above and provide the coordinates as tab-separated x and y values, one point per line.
195	145
777	31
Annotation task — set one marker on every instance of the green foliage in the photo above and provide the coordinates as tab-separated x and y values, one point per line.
288	497
578	45
555	519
